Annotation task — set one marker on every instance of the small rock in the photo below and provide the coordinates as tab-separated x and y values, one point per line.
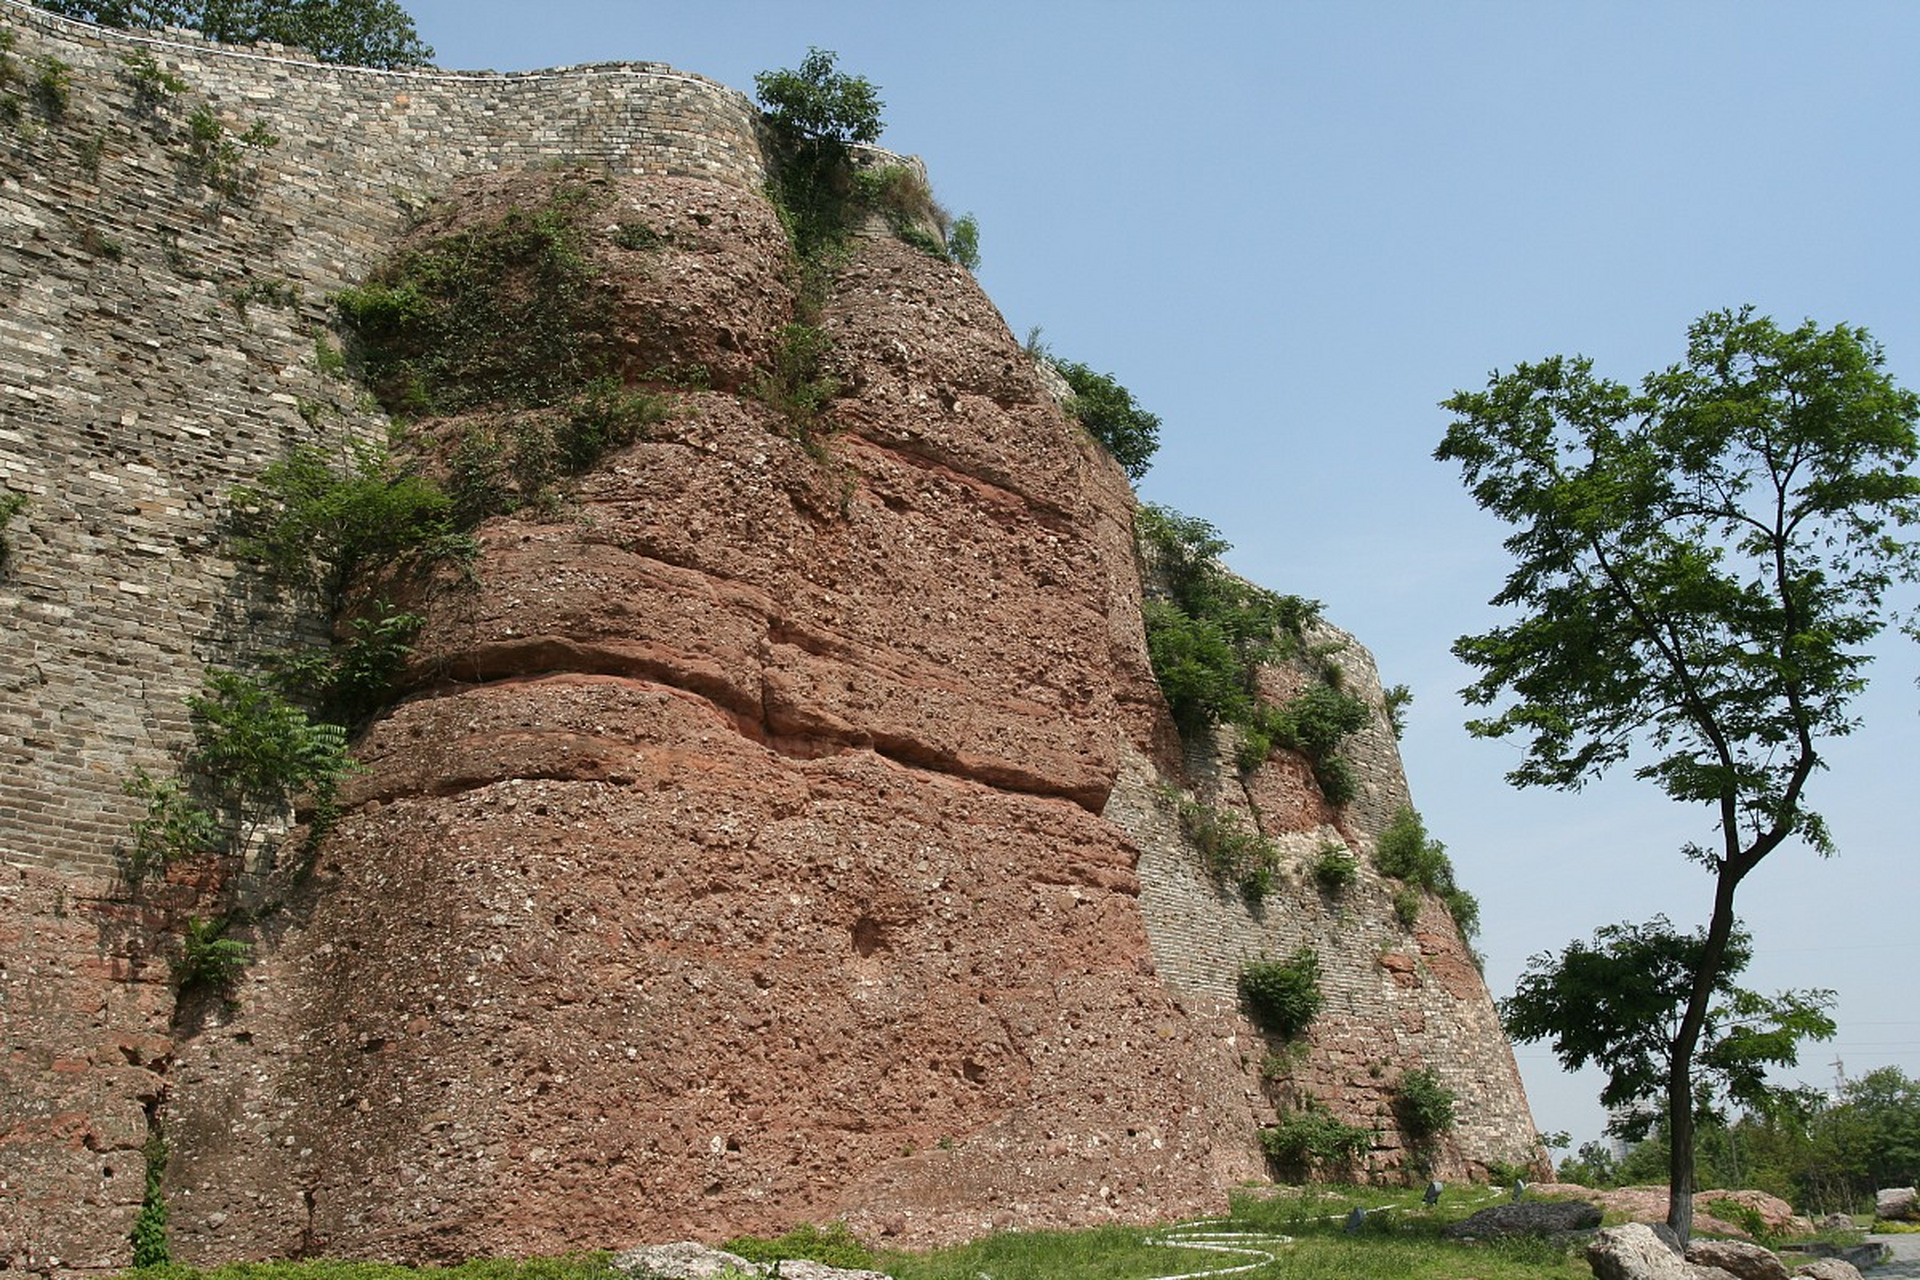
1829	1269
689	1261
682	1261
1745	1260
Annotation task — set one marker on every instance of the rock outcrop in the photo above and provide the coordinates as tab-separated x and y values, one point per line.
775	831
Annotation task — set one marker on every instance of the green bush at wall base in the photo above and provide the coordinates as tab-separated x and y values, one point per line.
1311	1137
149	1235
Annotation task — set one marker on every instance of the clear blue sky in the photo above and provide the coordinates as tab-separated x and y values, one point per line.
1292	228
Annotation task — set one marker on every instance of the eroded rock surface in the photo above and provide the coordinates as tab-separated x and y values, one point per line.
739	862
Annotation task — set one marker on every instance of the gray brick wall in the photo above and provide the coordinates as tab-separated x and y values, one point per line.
136	389
1396	998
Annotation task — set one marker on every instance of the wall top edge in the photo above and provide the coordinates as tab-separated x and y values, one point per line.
281	55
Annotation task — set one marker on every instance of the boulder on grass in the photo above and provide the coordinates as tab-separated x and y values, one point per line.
687	1261
1529	1218
1741	1258
1635	1251
1896	1204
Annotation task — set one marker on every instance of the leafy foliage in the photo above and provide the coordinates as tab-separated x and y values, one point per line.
1398	699
506	314
816	103
1617	1002
208	958
362	33
354	679
963	242
313	525
1593	1165
1111	415
1231	848
1700	565
814	115
255	756
497	466
1311	1137
1211	632
149	1236
797	383
1335	867
259	754
1422	1105
1282	996
11	505
1313	722
1407	853
174	826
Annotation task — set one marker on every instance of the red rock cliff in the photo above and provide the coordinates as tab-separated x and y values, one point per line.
746	865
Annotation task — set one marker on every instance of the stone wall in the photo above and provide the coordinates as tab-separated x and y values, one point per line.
164	334
1397	998
158	311
170	235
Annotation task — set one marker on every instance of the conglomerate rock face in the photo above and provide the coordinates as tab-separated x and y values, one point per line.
739	860
779	826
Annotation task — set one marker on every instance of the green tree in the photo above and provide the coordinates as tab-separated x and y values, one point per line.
361	33
817	104
814	116
1875	1130
1592	1166
1619	1001
1700	566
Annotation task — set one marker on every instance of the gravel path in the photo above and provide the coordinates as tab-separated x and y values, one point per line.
1905	1263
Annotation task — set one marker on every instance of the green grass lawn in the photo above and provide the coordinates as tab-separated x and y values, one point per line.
1303	1229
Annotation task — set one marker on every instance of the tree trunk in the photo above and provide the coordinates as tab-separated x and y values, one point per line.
1686	1042
1680	1148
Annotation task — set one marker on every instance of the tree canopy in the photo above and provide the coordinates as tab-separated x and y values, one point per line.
816	103
1700	565
361	33
1617	1002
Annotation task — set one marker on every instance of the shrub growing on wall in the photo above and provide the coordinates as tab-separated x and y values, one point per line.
814	115
1111	415
509	314
1407	853
1282	996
